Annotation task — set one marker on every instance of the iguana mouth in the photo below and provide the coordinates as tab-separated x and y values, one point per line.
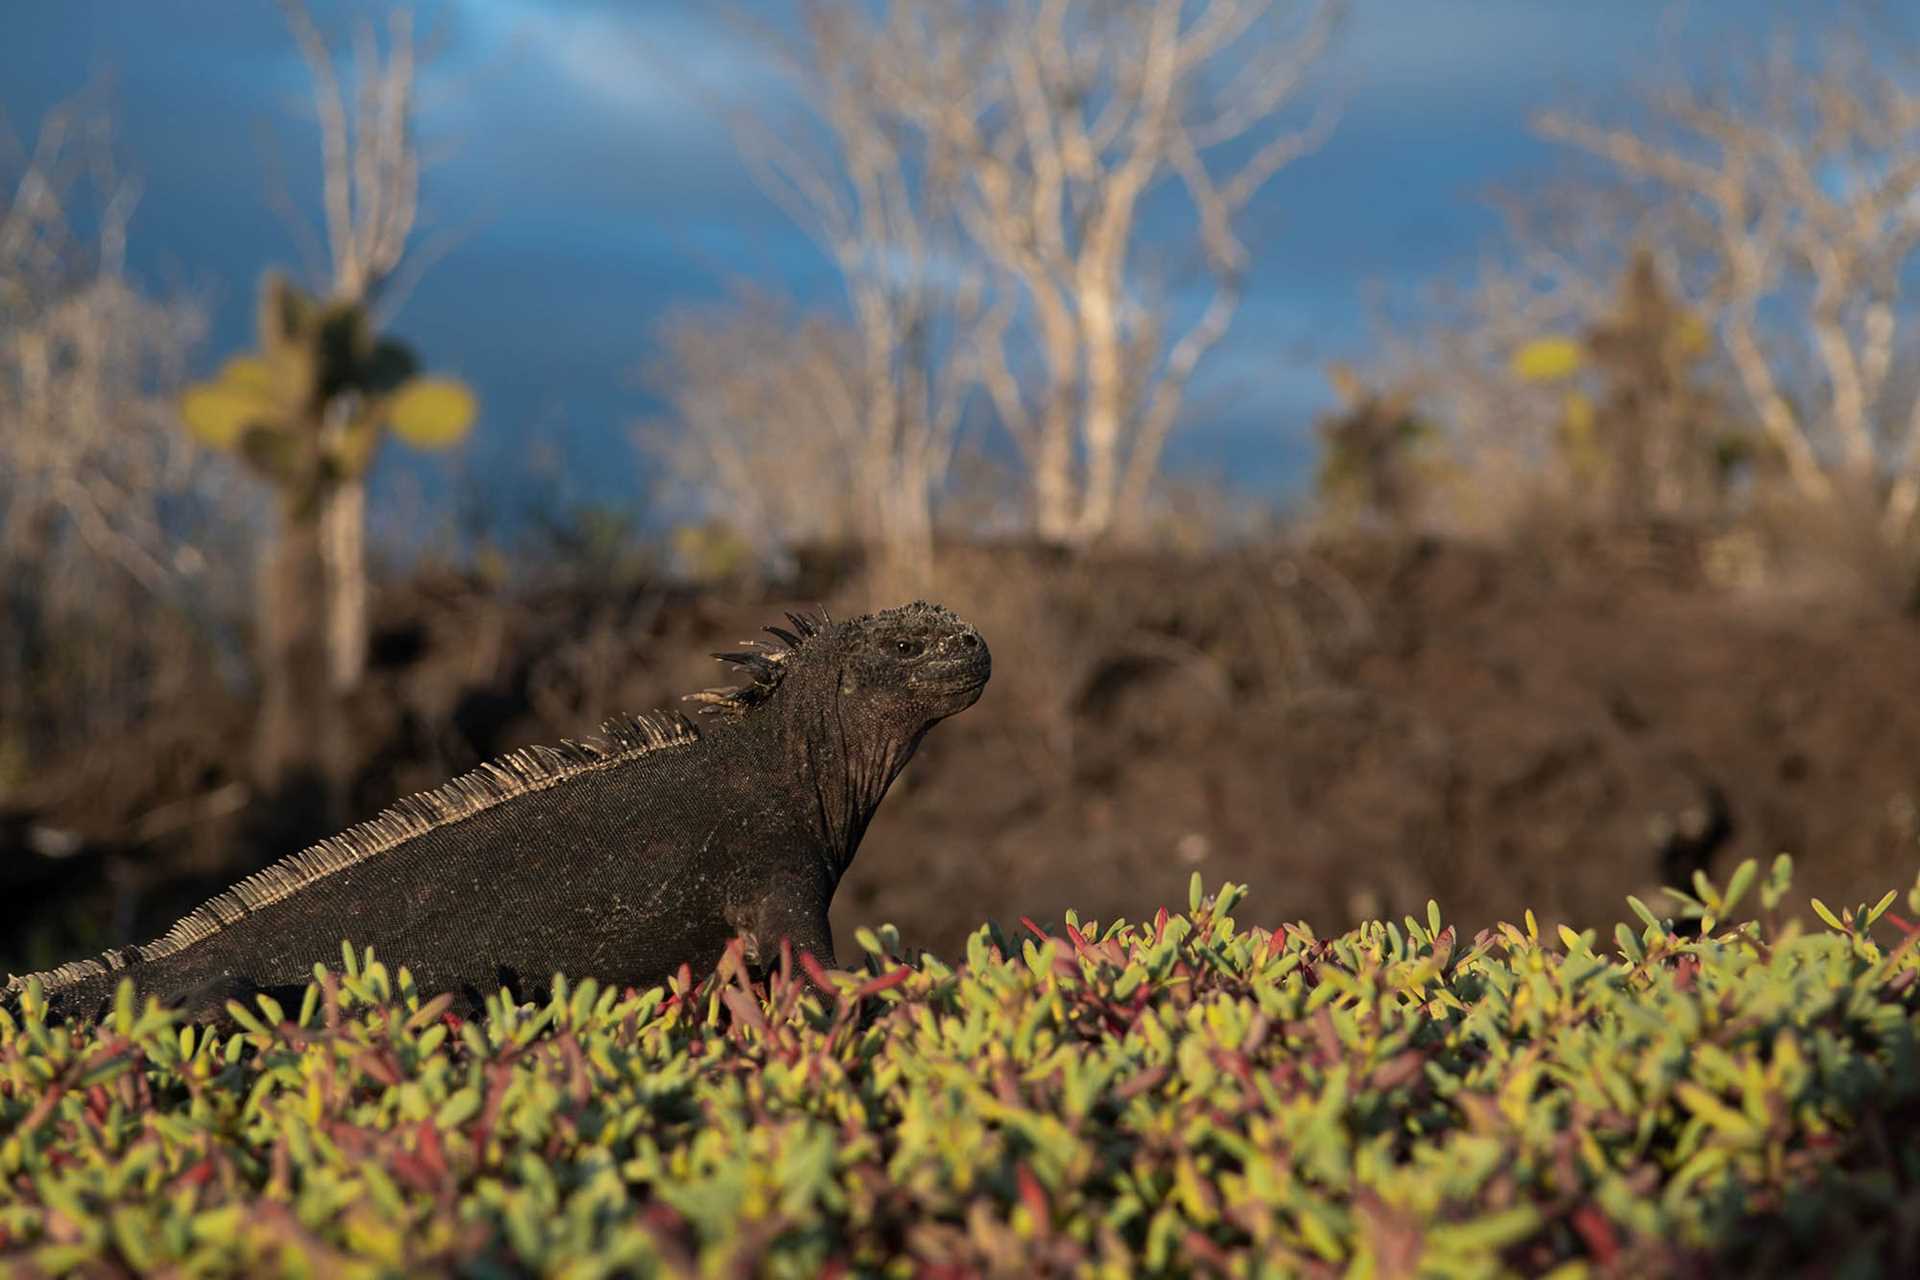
963	673
957	687
962	688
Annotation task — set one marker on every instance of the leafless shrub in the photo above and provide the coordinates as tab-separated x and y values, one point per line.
762	429
111	528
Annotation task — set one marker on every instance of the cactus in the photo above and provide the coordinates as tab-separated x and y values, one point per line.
311	407
1636	421
1376	453
307	411
431	413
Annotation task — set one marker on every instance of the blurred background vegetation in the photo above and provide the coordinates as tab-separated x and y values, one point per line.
1606	569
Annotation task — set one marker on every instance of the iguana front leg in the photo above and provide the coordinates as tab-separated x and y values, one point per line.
781	912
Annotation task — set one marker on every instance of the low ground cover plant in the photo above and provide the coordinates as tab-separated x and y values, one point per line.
1718	1091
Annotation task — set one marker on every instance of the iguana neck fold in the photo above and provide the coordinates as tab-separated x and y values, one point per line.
847	769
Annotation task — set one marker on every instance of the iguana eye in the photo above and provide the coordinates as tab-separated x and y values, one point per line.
907	648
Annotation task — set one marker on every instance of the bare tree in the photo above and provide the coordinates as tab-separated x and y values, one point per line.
1062	120
879	199
1801	189
764	418
106	513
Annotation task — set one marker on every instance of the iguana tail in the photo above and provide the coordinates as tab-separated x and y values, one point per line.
83	991
79	991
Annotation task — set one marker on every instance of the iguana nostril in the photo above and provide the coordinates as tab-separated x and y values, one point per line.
968	640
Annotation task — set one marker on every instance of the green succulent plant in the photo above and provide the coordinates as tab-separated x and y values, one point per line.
1713	1088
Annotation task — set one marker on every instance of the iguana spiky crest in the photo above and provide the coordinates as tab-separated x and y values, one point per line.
764	664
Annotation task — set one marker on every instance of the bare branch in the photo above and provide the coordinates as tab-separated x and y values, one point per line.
335	172
306	239
1804	199
370	165
764	417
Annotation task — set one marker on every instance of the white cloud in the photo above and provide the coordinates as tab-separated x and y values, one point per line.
666	63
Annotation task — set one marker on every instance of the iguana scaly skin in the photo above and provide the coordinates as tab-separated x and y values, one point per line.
620	857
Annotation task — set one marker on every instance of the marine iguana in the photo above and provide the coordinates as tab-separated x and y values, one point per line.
619	857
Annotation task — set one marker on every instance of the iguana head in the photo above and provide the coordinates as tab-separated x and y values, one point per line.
850	701
917	664
901	670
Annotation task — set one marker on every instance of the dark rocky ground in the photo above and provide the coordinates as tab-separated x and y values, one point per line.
1350	729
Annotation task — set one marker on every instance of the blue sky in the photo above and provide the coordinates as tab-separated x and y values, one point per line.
592	192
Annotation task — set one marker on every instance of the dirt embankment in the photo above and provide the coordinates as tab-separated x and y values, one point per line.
1349	730
1496	730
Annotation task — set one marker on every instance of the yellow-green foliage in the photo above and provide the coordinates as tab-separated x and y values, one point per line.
1183	1096
1548	359
1638	413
